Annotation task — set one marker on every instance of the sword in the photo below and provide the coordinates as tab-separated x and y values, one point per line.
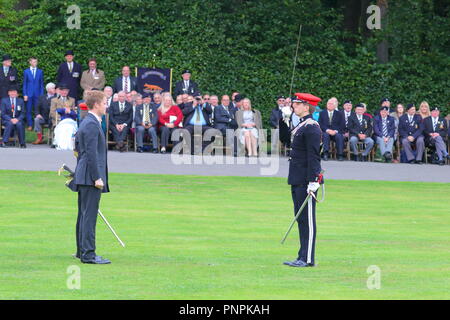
70	175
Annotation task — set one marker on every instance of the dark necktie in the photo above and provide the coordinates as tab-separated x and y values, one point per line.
12	106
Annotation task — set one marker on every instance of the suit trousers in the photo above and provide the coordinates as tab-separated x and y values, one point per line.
119	136
385	147
338	139
31	103
140	132
440	146
420	147
88	205
38	122
353	143
306	223
9	128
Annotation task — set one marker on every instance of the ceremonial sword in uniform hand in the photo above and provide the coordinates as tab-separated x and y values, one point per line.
71	174
310	194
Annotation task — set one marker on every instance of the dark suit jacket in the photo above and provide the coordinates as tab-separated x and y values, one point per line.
354	127
118	84
33	87
378	126
224	119
337	123
71	79
92	162
43	107
6	82
180	89
275	117
189	111
117	117
19	109
406	129
427	127
153	115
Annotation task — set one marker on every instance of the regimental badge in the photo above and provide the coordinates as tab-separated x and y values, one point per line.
365	124
19	108
12	78
417	126
441	125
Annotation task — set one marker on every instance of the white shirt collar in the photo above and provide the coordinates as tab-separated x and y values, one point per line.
96	116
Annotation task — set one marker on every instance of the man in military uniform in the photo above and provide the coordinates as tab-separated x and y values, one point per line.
305	174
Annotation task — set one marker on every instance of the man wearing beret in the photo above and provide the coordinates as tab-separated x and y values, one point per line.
435	131
410	132
384	129
69	72
146	119
186	85
305	174
360	129
8	76
13	113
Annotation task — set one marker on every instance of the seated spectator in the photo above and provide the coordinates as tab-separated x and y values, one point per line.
206	98
225	117
249	122
360	129
214	102
384	129
64	101
156	100
385	102
276	114
397	114
435	132
108	91
347	112
93	77
170	118
120	119
42	111
410	133
332	124
66	129
13	114
186	85
233	98
424	110
125	82
237	105
146	119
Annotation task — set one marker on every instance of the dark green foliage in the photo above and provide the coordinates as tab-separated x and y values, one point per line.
243	45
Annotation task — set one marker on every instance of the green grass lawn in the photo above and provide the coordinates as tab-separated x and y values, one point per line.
191	237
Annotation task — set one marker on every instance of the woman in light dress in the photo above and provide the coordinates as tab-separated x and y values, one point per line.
249	122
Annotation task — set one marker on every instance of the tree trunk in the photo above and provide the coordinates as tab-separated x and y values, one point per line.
383	46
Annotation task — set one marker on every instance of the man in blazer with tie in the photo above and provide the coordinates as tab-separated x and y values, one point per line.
360	129
186	85
225	118
13	113
8	76
410	132
92	78
332	124
33	88
63	101
42	111
120	119
125	82
69	72
91	176
435	131
384	129
146	119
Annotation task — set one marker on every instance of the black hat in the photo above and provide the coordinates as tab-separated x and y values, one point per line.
409	106
6	57
384	100
62	86
384	108
186	71
239	97
435	108
146	95
69	52
359	105
13	88
347	101
95	89
281	97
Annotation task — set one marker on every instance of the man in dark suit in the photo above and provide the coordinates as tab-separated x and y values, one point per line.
276	115
42	111
8	76
384	129
305	175
91	176
69	72
225	118
410	132
120	119
360	129
186	85
146	119
125	82
435	131
346	113
13	113
33	88
332	124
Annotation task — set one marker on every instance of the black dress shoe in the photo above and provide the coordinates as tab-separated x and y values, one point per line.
155	151
441	163
139	150
2	145
76	255
96	260
325	156
23	146
296	263
418	162
365	158
340	157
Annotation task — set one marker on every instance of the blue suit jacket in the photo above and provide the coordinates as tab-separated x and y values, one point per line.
7	114
33	87
378	126
337	123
